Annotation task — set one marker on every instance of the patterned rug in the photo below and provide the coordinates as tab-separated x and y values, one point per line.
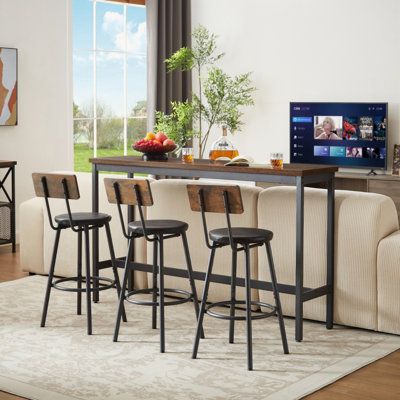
62	362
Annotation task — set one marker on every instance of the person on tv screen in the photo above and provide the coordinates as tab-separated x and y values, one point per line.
354	152
327	130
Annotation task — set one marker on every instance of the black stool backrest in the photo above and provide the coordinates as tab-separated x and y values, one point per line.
131	192
216	199
56	186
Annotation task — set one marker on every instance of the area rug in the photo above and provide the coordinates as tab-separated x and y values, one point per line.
61	362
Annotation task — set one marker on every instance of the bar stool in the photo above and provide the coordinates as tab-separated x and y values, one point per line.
62	186
134	192
228	200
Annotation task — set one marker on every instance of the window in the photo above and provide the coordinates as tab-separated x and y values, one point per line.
109	78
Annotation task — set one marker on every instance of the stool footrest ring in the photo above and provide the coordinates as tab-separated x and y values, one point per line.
104	284
129	297
227	303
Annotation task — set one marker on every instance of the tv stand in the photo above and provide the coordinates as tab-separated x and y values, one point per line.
372	172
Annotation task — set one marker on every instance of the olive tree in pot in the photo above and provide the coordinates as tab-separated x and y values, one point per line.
219	98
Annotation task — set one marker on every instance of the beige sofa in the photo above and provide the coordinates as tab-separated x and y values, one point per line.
367	246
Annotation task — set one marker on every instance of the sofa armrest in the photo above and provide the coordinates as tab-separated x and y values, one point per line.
31	235
388	284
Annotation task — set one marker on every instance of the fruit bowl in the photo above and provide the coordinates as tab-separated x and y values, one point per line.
155	146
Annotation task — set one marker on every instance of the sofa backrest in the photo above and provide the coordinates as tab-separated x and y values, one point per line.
361	221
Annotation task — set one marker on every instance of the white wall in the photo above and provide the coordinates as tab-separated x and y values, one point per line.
42	141
306	50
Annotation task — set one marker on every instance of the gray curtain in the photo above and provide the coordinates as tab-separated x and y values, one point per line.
168	29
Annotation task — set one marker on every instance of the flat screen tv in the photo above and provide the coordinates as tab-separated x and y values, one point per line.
349	135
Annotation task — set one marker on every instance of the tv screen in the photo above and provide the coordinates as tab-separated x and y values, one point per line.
351	135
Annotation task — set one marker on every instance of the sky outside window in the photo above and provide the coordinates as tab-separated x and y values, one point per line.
109	75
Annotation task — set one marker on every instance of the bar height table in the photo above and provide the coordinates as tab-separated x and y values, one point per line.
299	175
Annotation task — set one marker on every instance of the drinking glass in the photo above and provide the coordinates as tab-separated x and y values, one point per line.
187	155
276	160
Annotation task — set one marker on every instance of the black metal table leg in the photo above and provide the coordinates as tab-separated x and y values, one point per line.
248	311
95	237
233	297
79	293
88	293
330	252
131	217
161	293
155	271
299	258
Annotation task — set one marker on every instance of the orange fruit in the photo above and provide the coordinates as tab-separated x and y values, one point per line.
150	136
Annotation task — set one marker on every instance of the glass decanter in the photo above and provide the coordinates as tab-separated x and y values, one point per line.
223	147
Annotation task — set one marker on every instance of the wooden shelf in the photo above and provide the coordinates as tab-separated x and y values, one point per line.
378	176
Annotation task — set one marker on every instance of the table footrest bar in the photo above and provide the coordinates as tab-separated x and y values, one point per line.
255	314
103	284
310	294
119	262
129	297
198	275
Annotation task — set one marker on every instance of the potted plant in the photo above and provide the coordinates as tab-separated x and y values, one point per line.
219	97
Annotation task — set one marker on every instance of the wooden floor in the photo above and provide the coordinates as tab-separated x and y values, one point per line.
377	381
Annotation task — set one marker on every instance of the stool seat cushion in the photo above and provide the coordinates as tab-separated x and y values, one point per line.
82	219
241	235
158	226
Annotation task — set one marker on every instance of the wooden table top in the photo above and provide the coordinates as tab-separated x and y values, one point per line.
5	164
207	165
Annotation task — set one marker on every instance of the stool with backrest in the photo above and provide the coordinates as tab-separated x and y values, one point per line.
228	200
134	192
64	186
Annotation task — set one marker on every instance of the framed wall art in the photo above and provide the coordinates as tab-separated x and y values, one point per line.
8	86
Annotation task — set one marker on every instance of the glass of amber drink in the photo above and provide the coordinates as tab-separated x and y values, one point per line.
187	155
276	160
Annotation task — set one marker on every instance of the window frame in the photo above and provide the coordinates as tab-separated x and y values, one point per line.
94	51
138	2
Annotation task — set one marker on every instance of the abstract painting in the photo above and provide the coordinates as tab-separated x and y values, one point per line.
8	86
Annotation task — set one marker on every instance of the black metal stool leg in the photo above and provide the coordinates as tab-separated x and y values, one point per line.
88	293
50	279
233	297
155	268
123	288
203	304
161	290
114	268
277	298
248	311
79	282
191	280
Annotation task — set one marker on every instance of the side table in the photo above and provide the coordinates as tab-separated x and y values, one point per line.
7	204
